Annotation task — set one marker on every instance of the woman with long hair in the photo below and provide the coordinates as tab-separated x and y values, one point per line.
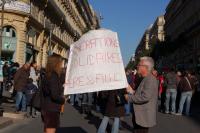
53	94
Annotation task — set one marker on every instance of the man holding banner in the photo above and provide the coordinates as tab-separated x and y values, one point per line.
95	64
145	98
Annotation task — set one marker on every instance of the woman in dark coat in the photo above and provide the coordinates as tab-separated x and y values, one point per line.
53	94
114	109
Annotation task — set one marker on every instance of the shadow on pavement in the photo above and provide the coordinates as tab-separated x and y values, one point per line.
126	126
70	130
95	120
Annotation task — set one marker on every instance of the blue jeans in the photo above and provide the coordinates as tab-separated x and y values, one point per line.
21	100
90	99
77	99
72	99
185	98
31	111
127	108
104	123
171	94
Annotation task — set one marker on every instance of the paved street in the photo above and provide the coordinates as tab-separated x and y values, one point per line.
73	122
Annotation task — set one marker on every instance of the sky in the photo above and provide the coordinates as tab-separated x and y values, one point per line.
130	19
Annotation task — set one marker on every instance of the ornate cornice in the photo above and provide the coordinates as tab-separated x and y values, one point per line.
69	8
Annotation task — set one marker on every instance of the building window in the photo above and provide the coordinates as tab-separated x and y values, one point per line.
9	43
8	31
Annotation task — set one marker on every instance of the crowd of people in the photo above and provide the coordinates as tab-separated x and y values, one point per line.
139	100
22	82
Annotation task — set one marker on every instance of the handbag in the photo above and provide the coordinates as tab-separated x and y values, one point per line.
120	99
38	96
36	100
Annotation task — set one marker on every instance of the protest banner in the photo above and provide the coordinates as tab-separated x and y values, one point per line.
95	64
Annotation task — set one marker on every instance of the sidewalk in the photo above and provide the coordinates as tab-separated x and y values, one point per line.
8	116
4	122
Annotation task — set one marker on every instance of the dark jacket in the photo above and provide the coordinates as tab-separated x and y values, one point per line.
171	80
21	78
184	85
112	108
53	93
145	102
5	71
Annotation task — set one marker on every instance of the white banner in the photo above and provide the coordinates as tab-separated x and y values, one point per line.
95	64
18	6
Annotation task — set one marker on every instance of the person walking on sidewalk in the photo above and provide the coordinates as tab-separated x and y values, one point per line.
53	94
5	74
33	74
31	90
187	86
145	98
114	109
20	81
171	92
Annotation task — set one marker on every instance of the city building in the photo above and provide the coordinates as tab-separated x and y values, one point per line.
157	33
144	43
32	29
182	28
154	34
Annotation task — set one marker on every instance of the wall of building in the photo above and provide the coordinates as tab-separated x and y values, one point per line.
183	23
48	26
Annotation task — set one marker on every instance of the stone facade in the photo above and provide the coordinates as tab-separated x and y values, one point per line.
51	26
157	33
144	43
152	35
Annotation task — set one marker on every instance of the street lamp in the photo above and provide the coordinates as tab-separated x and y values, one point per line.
2	4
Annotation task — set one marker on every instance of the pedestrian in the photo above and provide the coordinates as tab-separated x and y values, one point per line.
162	92
186	87
5	70
33	74
5	74
13	69
194	78
72	99
114	109
155	73
131	79
101	101
171	92
53	94
145	97
31	90
86	103
20	82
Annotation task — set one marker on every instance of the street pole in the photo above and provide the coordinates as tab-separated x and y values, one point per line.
1	39
1	32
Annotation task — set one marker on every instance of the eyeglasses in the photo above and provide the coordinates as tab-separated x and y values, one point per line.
141	65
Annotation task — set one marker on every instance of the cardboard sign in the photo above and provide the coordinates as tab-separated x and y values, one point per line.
95	64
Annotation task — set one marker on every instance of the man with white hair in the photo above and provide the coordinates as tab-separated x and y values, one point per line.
145	97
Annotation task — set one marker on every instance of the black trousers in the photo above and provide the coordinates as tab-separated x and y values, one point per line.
138	128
